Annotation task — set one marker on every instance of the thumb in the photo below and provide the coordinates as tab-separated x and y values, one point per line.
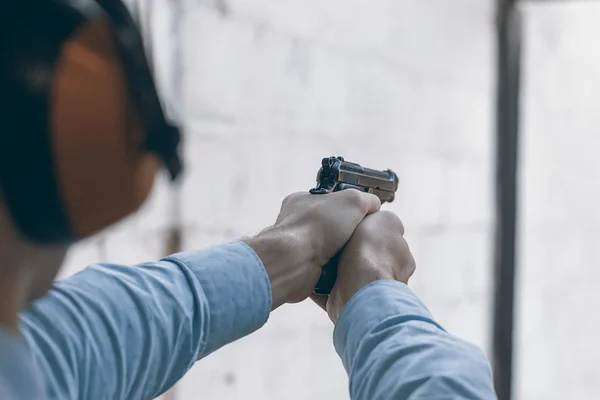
367	203
373	203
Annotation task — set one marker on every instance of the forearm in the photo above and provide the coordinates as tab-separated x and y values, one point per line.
392	348
131	332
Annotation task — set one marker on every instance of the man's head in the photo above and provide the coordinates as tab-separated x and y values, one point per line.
83	134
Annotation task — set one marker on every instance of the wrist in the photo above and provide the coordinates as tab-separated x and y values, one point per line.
351	279
280	251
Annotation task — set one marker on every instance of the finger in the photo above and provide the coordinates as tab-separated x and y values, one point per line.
387	221
367	203
410	264
320	300
393	221
373	203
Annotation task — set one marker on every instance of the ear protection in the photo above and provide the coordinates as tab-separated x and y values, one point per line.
82	130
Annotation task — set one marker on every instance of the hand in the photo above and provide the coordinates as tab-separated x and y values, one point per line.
309	230
376	251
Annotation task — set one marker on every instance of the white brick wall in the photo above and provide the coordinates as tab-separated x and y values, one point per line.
271	87
267	88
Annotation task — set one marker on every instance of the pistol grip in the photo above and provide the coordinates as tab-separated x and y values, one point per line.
328	276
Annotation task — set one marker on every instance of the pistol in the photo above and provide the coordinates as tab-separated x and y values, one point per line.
338	174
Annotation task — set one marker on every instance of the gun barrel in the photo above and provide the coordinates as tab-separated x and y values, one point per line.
370	178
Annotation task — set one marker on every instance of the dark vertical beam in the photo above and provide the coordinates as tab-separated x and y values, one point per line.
507	133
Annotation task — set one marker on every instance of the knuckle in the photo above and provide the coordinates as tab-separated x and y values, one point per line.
411	264
290	198
400	226
392	221
387	215
409	255
287	198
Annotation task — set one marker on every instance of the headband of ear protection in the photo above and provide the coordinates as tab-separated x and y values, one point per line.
82	128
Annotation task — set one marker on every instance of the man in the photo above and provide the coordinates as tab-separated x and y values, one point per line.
122	332
117	332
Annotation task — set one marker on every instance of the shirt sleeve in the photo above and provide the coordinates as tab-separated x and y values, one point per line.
393	349
122	332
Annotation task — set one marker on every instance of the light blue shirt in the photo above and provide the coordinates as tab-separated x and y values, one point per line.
122	332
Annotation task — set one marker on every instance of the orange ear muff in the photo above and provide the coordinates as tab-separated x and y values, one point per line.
102	168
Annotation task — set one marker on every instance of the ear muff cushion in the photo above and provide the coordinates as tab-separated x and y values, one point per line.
102	169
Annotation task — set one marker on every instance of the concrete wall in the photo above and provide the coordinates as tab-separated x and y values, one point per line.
266	88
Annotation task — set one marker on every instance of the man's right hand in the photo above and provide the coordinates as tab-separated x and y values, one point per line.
309	231
376	251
